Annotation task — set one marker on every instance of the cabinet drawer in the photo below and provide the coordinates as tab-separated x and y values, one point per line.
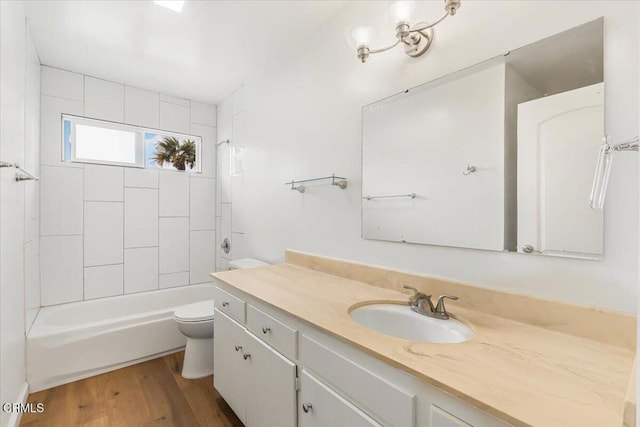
321	407
272	331
371	392
441	418
228	304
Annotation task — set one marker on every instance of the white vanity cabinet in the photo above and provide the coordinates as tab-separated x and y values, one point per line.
257	382
230	376
262	353
321	407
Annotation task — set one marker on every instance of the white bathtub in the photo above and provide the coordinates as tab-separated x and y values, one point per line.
77	340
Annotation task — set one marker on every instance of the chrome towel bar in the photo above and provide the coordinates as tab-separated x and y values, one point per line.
298	185
393	196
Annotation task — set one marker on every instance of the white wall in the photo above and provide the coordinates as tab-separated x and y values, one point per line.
302	119
110	230
19	122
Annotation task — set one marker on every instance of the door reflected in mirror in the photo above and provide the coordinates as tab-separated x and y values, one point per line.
498	156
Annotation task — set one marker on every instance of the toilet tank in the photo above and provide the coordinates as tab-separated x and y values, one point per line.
237	264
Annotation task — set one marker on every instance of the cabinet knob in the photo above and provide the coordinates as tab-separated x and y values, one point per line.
266	329
238	347
246	356
225	304
306	407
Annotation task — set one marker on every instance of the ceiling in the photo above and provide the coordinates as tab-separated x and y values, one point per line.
203	53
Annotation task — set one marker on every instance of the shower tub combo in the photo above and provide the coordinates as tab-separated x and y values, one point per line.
77	340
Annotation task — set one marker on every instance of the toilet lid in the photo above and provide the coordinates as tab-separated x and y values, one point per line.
237	264
195	312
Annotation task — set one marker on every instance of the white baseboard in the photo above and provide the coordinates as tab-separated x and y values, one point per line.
14	419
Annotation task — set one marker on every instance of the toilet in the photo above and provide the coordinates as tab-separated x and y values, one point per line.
195	321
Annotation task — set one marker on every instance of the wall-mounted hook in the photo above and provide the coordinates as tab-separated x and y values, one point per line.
300	188
469	171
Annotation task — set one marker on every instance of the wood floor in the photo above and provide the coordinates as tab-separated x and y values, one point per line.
152	393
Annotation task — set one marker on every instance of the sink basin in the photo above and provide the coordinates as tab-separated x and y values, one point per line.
400	321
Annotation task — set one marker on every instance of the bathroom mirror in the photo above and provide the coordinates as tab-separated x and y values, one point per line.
498	156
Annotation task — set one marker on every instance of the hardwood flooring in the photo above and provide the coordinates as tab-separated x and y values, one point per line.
152	393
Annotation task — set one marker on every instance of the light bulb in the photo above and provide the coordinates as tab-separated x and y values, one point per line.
361	36
401	11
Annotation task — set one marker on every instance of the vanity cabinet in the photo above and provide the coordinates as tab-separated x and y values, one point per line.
257	382
321	406
275	370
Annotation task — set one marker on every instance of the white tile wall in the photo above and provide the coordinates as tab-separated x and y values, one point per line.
61	269
103	183
174	117
61	83
140	217
32	210
208	149
225	227
238	217
174	245
202	203
172	280
140	270
32	274
203	114
61	200
219	250
103	233
222	265
103	99
142	178
174	100
174	193
102	223
202	256
103	281
240	250
224	174
141	107
51	110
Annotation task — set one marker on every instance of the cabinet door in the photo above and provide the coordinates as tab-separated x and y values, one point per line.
271	395
230	377
321	407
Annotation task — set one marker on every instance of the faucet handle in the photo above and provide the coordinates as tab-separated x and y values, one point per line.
414	300
440	309
415	291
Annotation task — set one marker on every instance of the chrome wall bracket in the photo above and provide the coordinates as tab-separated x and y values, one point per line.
21	174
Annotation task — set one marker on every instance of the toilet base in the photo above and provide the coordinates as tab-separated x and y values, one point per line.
198	358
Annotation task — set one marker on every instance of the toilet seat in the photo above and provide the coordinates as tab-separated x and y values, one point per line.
196	312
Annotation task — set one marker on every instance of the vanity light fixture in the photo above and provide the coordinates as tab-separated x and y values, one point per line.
175	5
416	40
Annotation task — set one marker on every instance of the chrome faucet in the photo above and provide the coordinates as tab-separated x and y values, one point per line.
421	303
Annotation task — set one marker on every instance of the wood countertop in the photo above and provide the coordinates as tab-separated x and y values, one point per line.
523	374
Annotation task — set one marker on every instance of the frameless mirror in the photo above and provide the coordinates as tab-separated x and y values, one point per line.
498	156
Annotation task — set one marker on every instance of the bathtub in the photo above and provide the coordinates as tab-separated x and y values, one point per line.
81	339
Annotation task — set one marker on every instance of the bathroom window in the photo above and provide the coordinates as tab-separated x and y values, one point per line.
102	142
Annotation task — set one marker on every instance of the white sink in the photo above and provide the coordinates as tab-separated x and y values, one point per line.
401	322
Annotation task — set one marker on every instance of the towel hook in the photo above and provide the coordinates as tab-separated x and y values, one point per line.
469	171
